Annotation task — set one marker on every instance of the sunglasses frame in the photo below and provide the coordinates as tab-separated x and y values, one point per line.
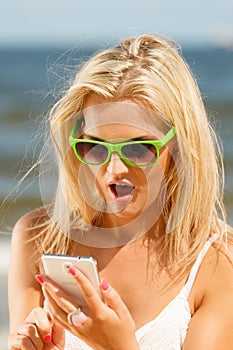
116	147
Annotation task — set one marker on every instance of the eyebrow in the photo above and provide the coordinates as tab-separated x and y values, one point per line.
141	138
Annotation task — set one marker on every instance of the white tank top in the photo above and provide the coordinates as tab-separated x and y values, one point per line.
168	330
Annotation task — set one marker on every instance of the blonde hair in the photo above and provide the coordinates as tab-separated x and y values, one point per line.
149	70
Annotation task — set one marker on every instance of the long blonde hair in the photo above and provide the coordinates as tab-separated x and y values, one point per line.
149	70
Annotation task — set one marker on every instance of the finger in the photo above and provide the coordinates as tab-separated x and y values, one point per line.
90	295
60	317
57	314
65	303
20	341
38	319
56	292
113	299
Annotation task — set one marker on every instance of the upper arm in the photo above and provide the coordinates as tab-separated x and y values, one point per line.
24	292
211	326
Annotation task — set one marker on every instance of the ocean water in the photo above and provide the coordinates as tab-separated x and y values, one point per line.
30	82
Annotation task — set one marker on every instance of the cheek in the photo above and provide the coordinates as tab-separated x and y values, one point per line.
89	189
156	181
164	160
99	174
99	179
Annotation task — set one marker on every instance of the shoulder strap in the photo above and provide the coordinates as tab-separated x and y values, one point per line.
189	284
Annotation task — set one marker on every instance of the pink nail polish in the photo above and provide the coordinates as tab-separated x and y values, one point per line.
72	271
47	338
104	284
39	279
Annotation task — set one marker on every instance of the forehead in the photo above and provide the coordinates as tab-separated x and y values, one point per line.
123	119
117	131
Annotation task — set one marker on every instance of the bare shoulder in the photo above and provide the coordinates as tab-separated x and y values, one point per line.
216	273
211	325
24	232
24	293
219	265
29	219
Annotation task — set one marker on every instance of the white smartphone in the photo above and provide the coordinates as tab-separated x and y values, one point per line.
56	266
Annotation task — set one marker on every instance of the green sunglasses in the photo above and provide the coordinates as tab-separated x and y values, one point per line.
135	153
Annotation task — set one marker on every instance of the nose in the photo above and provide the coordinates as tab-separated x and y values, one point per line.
116	165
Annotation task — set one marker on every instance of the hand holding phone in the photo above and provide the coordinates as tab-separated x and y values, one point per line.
56	266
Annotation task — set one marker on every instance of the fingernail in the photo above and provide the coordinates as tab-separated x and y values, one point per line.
79	319
72	271
47	338
39	279
104	284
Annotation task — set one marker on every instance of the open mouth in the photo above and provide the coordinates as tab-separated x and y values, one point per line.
121	191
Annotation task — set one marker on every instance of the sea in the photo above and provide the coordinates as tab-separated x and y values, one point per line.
32	80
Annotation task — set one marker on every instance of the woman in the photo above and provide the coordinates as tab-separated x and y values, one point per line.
138	189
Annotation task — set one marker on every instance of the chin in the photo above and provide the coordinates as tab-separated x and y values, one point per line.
126	213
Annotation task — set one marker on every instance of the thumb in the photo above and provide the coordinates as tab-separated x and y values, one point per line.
113	299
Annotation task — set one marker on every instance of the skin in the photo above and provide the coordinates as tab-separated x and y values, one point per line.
116	170
119	313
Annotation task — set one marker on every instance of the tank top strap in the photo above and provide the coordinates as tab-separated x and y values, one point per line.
189	284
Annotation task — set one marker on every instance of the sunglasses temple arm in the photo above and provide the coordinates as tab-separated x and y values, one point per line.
74	130
168	136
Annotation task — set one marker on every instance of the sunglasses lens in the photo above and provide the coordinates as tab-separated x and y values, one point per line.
91	153
140	154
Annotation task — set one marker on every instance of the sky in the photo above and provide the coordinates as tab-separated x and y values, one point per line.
69	22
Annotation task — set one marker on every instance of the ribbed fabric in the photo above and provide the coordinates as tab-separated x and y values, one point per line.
168	330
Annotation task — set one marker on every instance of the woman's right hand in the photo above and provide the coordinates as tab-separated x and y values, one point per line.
37	333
